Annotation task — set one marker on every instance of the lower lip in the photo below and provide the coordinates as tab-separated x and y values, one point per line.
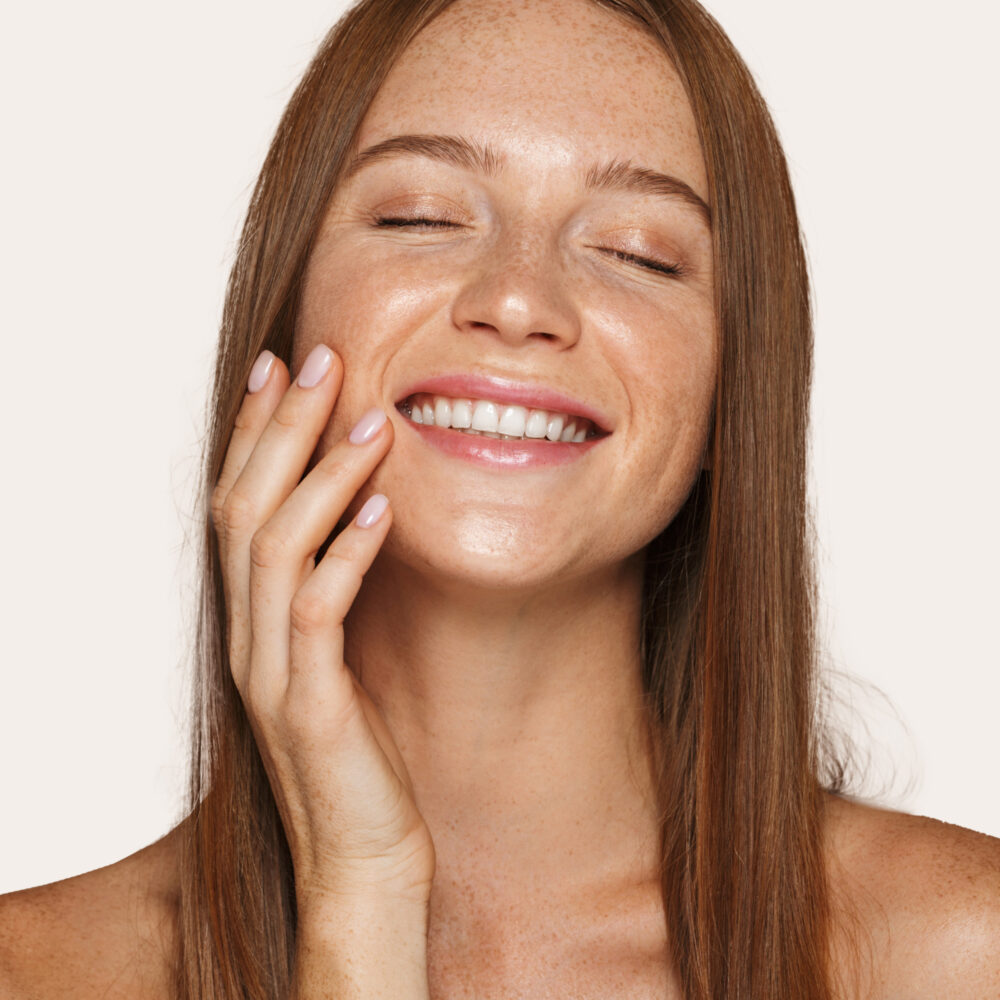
497	453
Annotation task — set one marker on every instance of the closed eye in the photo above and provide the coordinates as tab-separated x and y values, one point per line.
402	222
652	265
399	222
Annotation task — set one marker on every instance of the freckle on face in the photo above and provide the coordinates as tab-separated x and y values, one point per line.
556	85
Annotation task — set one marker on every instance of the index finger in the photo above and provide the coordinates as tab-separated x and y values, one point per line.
267	384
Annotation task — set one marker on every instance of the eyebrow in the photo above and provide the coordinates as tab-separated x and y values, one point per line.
612	176
619	176
449	148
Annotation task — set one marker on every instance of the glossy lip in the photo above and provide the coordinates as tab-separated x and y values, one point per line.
506	390
495	452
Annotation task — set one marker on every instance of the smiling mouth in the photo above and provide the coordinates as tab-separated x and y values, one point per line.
504	421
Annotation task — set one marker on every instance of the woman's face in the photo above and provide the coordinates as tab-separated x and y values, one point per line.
541	266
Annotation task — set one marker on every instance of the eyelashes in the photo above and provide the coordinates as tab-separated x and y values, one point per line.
399	222
647	263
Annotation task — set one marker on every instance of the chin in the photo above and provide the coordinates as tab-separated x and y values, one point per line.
489	552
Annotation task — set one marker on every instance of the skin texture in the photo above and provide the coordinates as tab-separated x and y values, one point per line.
507	671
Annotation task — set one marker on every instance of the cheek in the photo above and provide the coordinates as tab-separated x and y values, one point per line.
681	387
366	312
352	304
664	348
671	401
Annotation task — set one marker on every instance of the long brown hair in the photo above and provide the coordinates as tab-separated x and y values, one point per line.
728	631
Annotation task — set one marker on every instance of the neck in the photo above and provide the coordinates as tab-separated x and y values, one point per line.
520	717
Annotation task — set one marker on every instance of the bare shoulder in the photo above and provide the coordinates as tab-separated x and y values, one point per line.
108	933
924	897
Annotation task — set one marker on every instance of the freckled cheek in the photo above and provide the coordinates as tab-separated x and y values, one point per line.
358	302
688	363
366	311
673	356
670	465
675	396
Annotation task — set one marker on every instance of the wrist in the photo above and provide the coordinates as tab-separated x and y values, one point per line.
327	914
363	947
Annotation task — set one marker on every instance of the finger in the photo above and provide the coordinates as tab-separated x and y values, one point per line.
266	385
317	675
282	451
274	465
282	551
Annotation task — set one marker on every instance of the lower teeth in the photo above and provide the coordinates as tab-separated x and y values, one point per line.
491	434
486	434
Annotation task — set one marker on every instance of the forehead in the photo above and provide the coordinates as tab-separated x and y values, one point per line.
559	80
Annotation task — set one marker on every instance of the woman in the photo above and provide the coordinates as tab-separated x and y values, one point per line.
560	739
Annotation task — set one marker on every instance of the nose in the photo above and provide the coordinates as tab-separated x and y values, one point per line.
518	293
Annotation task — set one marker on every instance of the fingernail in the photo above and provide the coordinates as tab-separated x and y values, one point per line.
315	367
373	509
260	372
367	427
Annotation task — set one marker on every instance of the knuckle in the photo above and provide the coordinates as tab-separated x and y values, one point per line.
216	503
344	559
245	421
288	418
237	514
334	469
268	548
311	612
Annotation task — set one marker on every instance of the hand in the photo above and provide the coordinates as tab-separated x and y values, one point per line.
341	786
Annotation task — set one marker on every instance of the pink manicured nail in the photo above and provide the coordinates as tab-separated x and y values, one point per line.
260	372
315	367
367	427
373	509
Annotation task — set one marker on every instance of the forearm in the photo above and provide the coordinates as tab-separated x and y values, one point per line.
372	950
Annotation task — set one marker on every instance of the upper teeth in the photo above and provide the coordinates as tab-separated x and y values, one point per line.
482	416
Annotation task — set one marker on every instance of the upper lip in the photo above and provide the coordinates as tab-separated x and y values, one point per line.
501	389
